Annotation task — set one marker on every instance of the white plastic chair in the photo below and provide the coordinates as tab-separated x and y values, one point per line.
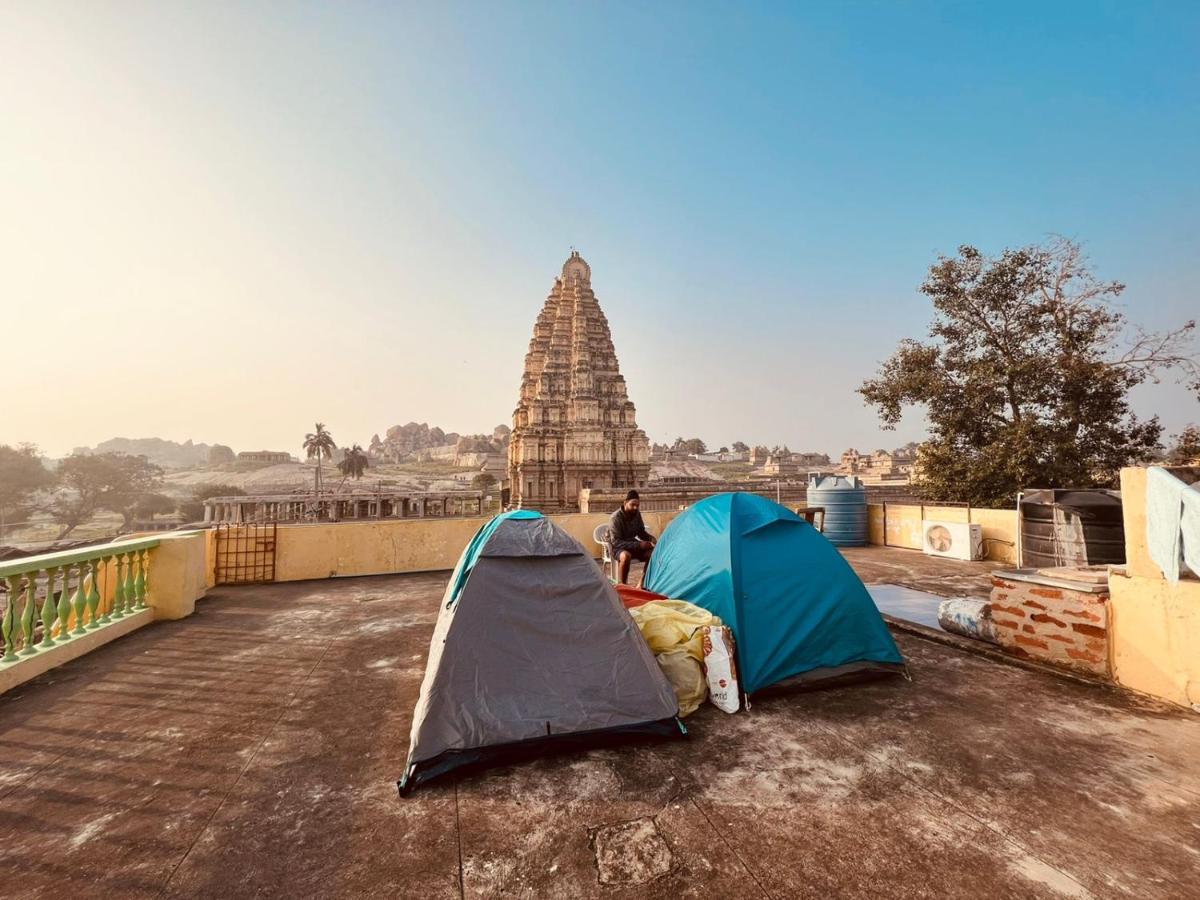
608	558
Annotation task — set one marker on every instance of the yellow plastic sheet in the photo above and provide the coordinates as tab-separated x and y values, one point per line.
673	629
671	624
686	677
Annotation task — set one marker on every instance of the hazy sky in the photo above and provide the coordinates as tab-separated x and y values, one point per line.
224	221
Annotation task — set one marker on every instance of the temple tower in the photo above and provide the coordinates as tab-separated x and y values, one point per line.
574	426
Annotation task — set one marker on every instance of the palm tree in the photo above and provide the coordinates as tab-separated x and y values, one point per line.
319	445
353	464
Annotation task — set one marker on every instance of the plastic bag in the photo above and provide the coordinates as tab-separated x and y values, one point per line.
686	677
720	668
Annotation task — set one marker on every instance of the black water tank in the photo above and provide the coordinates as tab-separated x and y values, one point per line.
1071	527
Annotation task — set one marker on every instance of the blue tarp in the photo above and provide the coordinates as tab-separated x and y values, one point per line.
470	556
795	605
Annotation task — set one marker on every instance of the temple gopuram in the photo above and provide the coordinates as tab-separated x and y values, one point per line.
575	427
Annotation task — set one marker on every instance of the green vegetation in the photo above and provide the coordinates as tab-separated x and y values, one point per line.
353	463
22	475
319	445
1186	449
689	445
115	482
1026	377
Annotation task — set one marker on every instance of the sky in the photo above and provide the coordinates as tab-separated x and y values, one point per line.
227	221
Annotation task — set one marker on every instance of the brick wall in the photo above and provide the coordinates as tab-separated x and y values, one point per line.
1054	625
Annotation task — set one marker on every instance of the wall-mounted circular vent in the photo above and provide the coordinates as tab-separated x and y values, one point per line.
939	539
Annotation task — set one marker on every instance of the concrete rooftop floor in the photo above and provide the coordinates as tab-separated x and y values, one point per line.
253	749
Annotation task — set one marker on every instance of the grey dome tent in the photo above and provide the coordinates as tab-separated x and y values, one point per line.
532	650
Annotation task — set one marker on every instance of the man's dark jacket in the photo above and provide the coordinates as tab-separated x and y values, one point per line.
626	530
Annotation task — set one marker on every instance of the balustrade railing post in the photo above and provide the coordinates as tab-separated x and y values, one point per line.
142	584
93	597
27	611
108	564
118	604
9	623
64	606
49	610
129	583
80	599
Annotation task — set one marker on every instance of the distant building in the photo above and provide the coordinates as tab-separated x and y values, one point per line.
574	427
780	467
812	462
273	457
892	467
727	456
783	463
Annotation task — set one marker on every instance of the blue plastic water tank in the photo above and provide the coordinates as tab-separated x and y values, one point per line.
845	502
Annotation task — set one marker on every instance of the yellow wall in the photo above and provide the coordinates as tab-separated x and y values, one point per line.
1154	626
179	573
398	545
904	526
210	557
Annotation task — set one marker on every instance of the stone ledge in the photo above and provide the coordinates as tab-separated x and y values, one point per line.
26	668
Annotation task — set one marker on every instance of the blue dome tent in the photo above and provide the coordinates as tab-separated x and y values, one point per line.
798	611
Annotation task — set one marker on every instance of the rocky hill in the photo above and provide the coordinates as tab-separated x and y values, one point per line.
415	441
168	454
402	442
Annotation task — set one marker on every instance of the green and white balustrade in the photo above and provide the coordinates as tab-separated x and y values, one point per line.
54	598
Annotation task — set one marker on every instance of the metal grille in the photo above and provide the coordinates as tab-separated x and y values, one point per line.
245	553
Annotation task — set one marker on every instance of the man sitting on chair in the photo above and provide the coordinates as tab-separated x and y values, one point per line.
630	539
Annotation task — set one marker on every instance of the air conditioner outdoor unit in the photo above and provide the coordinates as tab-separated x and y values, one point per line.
956	540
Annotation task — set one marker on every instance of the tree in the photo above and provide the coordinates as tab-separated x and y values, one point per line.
319	445
1186	449
102	481
354	463
1025	380
723	450
22	475
740	447
690	446
484	481
151	505
193	510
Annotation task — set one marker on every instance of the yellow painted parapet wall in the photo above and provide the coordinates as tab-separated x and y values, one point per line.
894	525
1154	626
388	546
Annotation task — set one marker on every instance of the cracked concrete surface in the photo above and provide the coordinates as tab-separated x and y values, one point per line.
252	751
